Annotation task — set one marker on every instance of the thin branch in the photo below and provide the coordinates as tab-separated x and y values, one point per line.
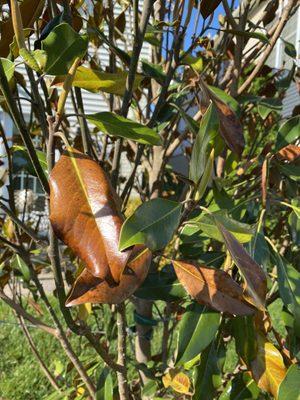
122	376
284	18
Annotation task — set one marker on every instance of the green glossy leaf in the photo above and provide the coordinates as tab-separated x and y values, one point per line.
197	329
204	181
115	125
206	223
242	387
9	68
95	81
161	286
289	49
105	385
289	288
248	35
208	129
289	170
152	224
154	71
289	388
245	338
207	377
227	99
62	46
19	264
288	132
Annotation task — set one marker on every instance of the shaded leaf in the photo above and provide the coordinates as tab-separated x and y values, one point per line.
212	287
226	98
104	390
91	289
19	264
154	71
207	7
255	278
290	386
289	288
248	35
180	382
268	368
115	125
230	127
204	181
208	129
161	286
62	46
152	224
244	333
207	377
288	132
85	216
197	329
289	48
95	81
21	160
30	11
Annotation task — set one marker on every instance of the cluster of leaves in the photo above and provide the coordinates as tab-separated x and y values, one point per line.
217	246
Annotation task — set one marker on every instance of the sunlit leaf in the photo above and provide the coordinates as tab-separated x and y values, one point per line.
268	368
19	264
255	278
91	289
95	81
289	153
115	125
85	216
152	224
212	287
197	329
288	132
290	386
62	46
178	381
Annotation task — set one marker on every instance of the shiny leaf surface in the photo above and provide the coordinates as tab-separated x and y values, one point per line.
85	216
212	287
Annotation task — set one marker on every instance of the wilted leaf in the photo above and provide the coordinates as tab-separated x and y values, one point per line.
288	132
289	388
212	287
180	382
115	125
152	224
90	289
230	126
62	46
30	11
207	7
289	153
95	81
85	216
255	278
268	368
197	329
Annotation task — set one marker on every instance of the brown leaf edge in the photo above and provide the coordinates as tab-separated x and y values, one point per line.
215	288
90	289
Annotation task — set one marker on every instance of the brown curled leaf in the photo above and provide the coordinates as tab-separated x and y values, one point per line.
90	289
212	287
289	153
85	216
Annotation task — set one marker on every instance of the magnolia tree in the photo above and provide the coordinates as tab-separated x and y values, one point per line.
179	285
